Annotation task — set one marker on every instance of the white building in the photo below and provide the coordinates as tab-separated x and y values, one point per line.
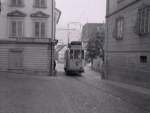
26	35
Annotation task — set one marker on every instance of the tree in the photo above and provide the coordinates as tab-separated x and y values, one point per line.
95	47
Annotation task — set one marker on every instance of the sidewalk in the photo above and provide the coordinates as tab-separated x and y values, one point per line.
89	72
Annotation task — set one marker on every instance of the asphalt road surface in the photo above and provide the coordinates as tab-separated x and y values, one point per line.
66	94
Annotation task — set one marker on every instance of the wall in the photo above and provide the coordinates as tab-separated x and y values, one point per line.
35	57
114	5
28	9
123	56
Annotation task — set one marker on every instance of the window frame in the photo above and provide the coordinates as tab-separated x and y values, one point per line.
18	33
143	20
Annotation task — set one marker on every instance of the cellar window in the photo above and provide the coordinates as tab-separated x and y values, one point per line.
143	59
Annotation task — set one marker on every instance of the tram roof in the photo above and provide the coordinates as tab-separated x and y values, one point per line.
76	43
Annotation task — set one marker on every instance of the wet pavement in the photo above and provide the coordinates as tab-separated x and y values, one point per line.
67	94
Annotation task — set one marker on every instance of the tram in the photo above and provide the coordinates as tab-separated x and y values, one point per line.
74	58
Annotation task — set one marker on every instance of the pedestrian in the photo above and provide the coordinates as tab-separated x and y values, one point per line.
54	65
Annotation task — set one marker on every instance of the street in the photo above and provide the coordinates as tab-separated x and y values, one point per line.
67	94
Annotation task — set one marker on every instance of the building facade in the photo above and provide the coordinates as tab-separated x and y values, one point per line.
26	35
89	30
127	42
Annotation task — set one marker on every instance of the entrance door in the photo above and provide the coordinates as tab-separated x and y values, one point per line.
15	60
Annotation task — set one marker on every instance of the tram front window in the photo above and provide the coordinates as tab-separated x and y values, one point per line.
77	54
71	54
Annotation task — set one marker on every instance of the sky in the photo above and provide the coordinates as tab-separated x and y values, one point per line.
82	11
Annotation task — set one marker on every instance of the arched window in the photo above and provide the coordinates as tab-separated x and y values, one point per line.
143	20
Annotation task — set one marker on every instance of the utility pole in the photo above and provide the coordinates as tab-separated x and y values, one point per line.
52	42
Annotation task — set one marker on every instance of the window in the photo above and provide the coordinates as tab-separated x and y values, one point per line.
40	4
77	54
16	28
119	28
40	29
18	3
143	59
143	21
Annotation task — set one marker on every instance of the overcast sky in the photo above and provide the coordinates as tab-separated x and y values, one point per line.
81	10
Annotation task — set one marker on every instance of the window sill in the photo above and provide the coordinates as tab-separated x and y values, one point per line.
40	7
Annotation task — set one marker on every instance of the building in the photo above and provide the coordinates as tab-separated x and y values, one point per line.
27	35
127	44
89	30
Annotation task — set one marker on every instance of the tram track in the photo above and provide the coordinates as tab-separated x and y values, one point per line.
82	80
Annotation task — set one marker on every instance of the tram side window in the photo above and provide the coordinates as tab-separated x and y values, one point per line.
82	54
71	54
